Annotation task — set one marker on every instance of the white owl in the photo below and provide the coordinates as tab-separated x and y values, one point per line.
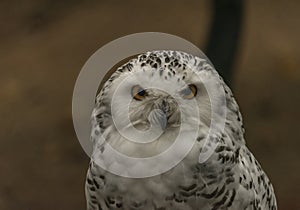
147	105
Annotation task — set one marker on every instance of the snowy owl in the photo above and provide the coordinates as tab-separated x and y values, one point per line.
151	97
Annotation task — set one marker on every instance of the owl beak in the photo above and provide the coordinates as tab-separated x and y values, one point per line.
158	119
163	119
160	114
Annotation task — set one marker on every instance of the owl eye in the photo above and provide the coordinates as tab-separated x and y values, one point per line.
138	93
189	92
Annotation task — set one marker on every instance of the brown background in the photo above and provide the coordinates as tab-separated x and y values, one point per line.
44	44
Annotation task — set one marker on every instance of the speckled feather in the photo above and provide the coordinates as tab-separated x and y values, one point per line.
230	179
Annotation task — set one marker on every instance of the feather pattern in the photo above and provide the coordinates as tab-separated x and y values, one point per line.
230	179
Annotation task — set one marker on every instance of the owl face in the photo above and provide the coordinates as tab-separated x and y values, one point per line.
152	101
160	101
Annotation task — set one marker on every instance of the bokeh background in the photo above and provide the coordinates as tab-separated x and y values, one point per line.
44	44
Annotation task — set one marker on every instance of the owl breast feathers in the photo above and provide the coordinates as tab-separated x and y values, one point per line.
161	111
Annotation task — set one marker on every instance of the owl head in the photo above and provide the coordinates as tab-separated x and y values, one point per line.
152	98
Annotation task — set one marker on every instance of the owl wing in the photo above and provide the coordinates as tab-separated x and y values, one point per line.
93	185
254	190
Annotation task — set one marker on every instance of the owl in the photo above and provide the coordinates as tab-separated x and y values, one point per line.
158	142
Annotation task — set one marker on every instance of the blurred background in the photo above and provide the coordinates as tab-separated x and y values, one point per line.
44	44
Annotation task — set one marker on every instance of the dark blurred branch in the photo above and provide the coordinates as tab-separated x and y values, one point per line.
224	35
